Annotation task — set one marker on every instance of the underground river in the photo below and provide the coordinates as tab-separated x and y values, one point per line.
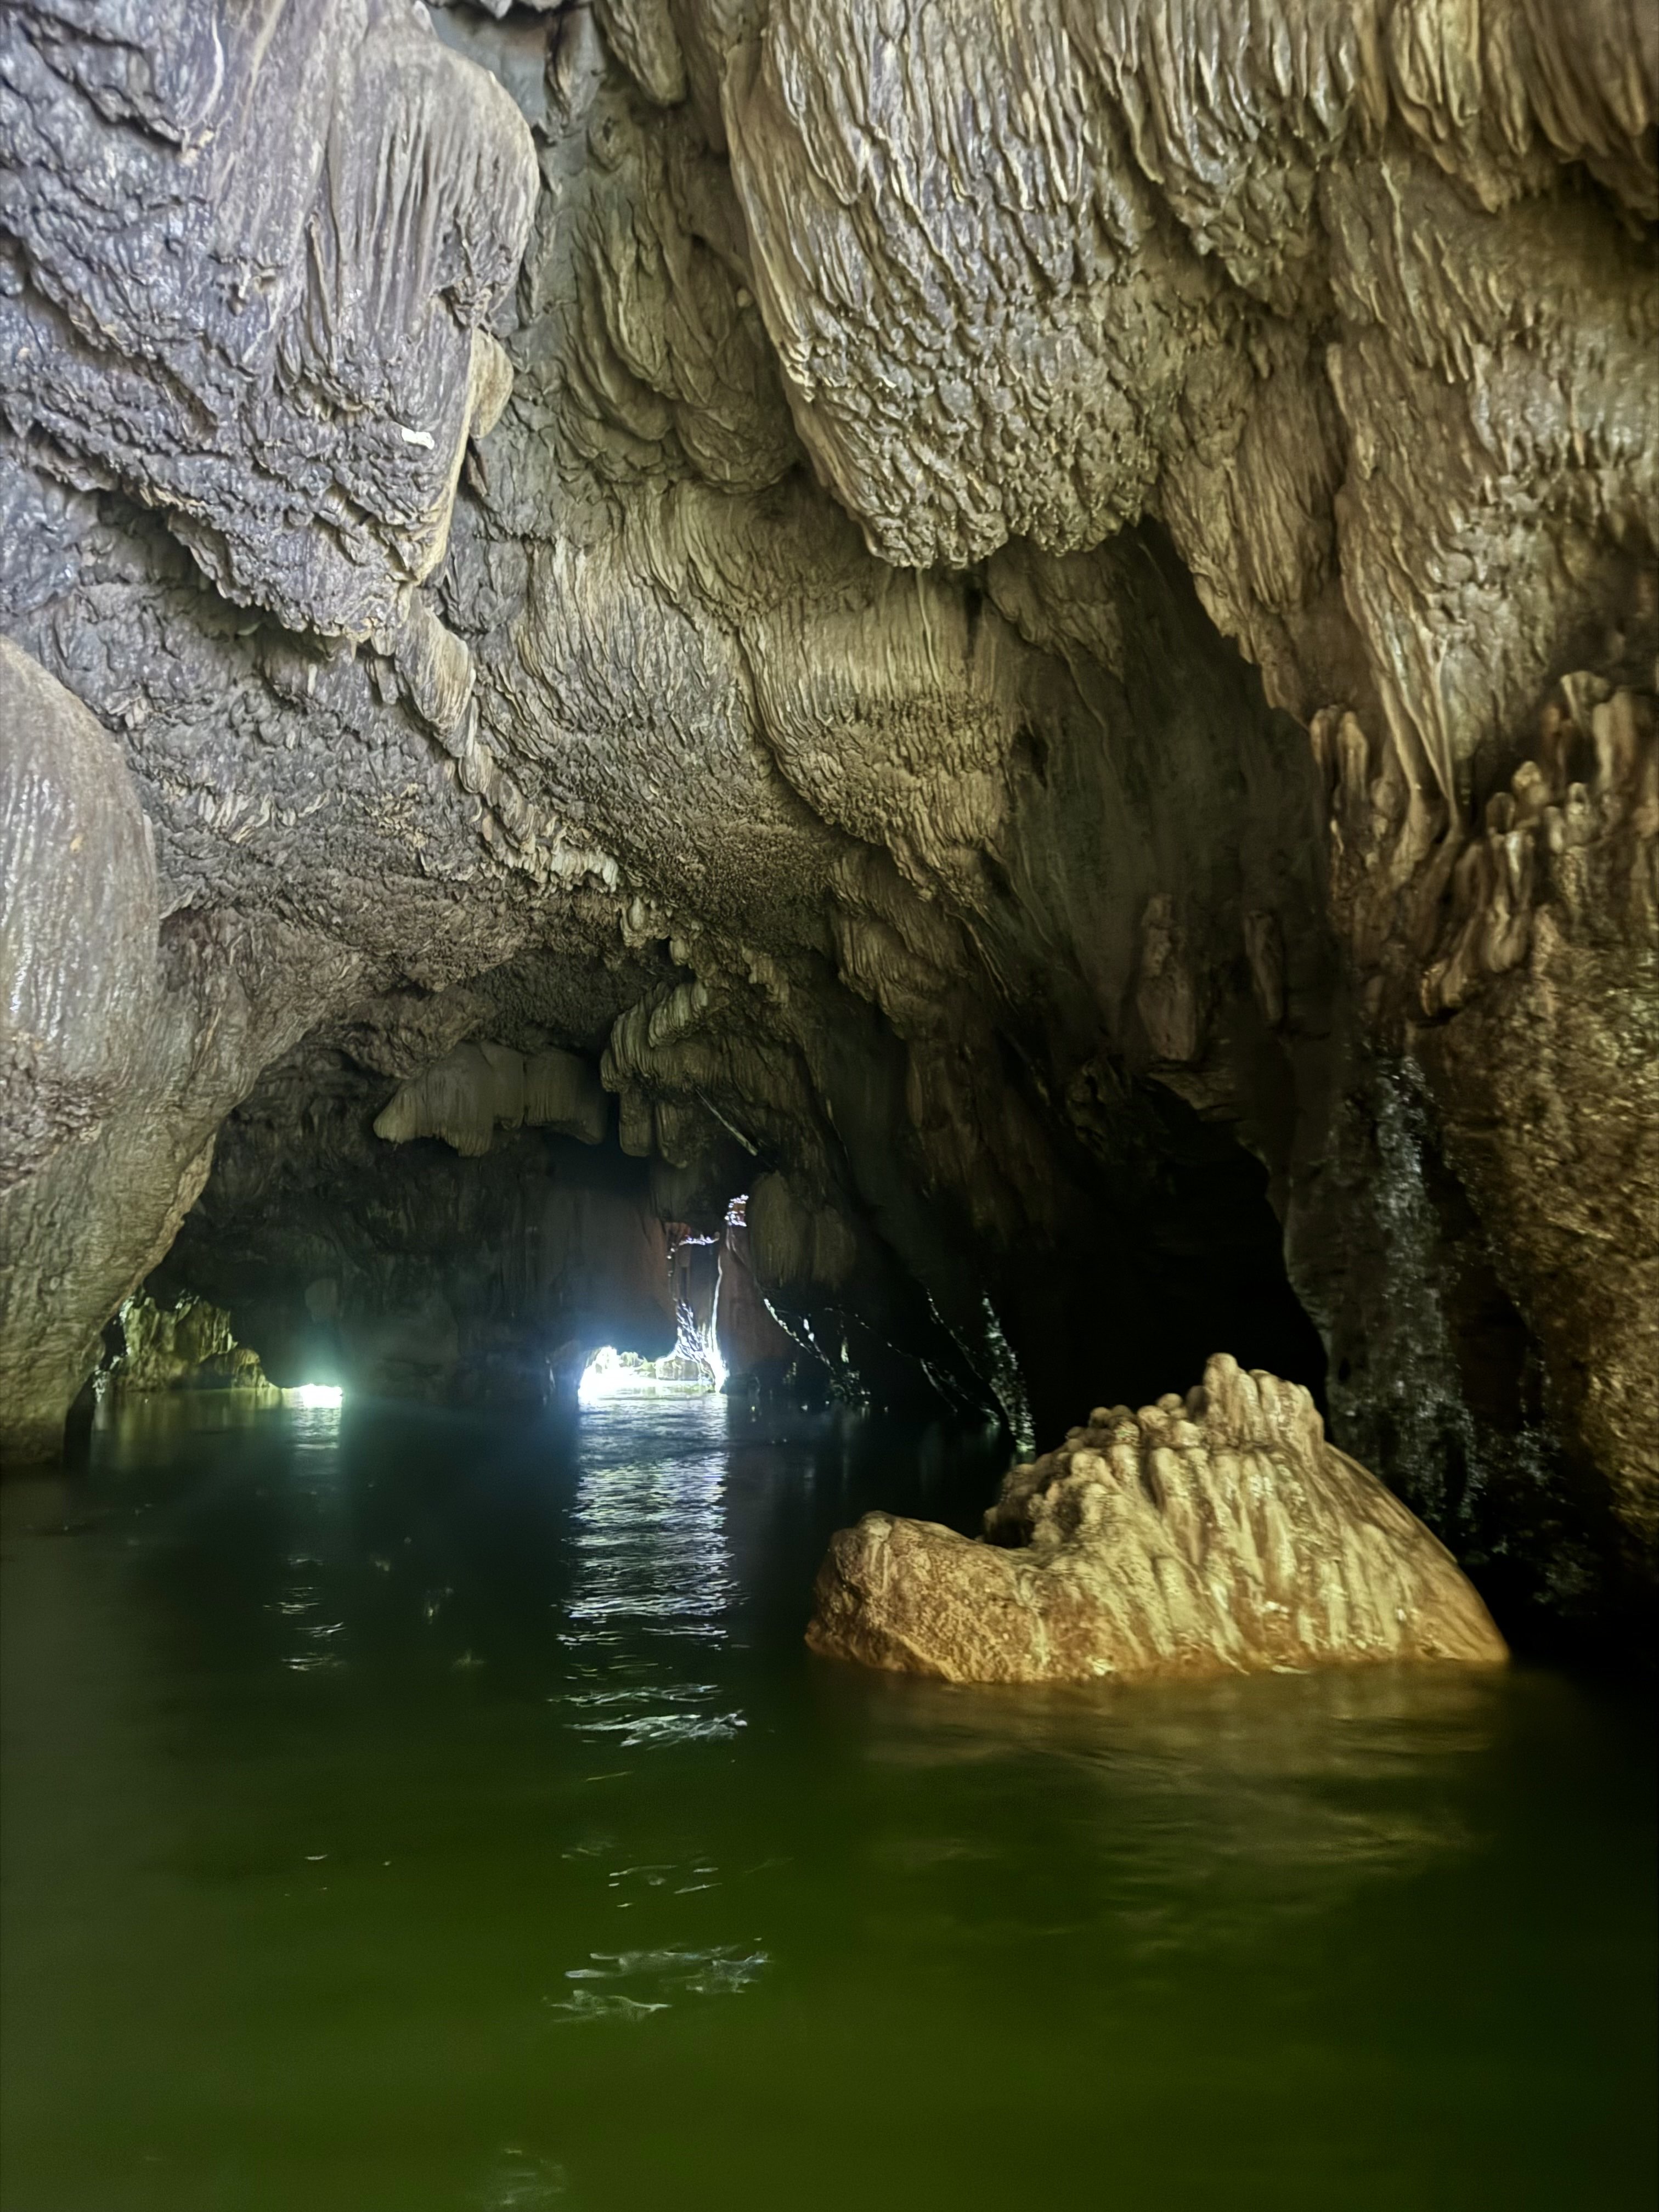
410	1813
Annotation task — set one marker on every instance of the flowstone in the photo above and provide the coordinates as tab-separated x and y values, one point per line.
1216	1534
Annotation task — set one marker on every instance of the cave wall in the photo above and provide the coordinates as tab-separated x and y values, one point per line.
188	1346
130	1034
1032	628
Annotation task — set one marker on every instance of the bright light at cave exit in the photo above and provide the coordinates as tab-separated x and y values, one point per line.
312	1395
605	1378
601	1377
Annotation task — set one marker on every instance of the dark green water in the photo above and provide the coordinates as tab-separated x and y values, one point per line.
408	1814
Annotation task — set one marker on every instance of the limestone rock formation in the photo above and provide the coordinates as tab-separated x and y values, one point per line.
1218	1532
1028	631
240	225
480	1087
78	931
189	1346
756	1353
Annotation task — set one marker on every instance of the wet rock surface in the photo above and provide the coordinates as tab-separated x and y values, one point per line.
188	1347
1214	1534
1034	641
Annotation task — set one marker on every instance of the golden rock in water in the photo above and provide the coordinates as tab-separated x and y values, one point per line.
1218	1534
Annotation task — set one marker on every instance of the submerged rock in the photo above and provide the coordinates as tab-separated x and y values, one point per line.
1218	1533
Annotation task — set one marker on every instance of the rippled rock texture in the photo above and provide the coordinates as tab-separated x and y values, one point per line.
1220	1533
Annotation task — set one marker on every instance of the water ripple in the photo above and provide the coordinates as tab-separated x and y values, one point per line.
722	1971
652	1560
650	1545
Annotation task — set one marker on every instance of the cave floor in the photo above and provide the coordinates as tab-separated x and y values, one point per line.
407	1811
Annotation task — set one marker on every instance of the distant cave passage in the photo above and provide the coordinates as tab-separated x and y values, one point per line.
550	1267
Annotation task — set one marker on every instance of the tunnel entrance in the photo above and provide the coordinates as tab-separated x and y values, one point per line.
612	1377
315	1397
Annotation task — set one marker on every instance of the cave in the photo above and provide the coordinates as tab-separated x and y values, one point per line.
830	956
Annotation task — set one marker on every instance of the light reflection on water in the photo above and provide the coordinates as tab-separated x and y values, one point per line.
313	1499
405	1814
650	1537
653	1573
719	1972
652	1562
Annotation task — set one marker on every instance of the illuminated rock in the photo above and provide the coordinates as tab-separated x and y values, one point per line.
1218	1534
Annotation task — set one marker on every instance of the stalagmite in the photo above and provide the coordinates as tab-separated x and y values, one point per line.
1218	1534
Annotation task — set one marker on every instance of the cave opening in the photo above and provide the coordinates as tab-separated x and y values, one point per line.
611	1376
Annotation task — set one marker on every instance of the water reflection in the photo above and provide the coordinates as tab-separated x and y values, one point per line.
522	2183
650	1540
279	1935
1355	1720
647	1629
652	1563
721	1972
1198	1808
316	1514
126	1423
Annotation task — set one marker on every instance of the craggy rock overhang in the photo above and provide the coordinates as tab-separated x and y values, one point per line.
1029	628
